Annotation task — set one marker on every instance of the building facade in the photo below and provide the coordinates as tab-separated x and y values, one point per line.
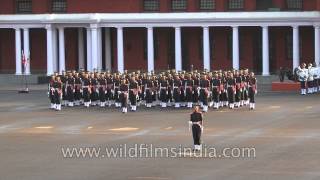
59	35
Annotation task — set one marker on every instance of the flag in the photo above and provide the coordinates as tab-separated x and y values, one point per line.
24	60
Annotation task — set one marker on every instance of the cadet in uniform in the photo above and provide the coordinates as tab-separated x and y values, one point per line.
123	96
133	93
86	90
78	89
57	93
196	124
70	89
252	90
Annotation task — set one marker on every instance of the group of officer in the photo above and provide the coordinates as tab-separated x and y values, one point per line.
309	77
233	89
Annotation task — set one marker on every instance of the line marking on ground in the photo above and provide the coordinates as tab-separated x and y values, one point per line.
158	178
124	129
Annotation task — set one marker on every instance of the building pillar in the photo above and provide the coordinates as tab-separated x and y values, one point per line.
265	51
317	45
55	50
178	58
120	49
150	49
62	56
94	46
80	49
49	51
206	48
99	30
296	49
89	50
26	48
235	47
18	52
107	49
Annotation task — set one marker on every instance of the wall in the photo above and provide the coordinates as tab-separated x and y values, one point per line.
7	51
38	50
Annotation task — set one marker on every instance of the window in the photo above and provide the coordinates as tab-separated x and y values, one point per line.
207	4
24	6
179	5
151	5
294	4
263	5
236	4
59	6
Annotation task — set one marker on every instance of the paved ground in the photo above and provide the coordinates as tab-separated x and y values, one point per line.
284	130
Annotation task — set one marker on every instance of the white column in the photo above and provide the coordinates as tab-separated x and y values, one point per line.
150	50
265	51
296	53
99	30
89	52
26	48
62	57
235	47
120	49
18	52
107	49
49	51
80	49
55	50
178	58
94	46
317	45
206	48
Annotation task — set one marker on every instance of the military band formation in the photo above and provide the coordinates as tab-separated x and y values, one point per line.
232	89
309	77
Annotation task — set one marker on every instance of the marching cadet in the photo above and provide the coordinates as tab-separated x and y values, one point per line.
245	79
70	81
310	79
216	83
196	125
224	94
133	93
78	89
164	91
51	92
94	96
204	92
189	84
86	90
182	89
123	96
177	84
110	89
170	89
196	88
231	89
154	90
238	89
252	90
149	92
117	83
315	78
63	78
102	89
57	93
303	77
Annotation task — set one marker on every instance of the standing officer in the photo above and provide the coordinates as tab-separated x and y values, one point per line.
196	124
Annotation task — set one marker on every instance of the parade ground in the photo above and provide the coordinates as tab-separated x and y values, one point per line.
283	131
